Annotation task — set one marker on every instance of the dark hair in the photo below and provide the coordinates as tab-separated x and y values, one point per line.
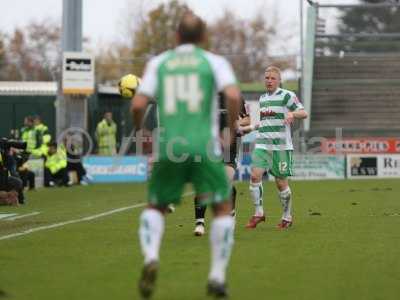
29	118
191	29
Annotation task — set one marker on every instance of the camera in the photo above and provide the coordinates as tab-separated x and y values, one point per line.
6	144
7	161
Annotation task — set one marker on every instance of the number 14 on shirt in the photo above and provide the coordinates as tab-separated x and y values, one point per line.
182	88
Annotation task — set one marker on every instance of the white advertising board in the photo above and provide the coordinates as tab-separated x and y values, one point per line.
78	73
373	166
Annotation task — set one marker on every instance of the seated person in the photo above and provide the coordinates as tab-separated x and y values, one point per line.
74	159
27	176
55	167
22	169
9	179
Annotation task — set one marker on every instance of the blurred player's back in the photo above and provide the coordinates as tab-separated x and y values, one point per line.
185	81
186	94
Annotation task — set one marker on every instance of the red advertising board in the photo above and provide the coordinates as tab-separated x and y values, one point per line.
361	145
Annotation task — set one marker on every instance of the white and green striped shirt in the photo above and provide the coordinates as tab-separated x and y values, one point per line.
273	134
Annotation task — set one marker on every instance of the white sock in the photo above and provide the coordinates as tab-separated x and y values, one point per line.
256	191
286	199
150	233
221	239
200	220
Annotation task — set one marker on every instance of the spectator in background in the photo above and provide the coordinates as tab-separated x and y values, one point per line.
10	185
74	159
19	167
30	136
44	137
55	167
42	129
26	175
106	135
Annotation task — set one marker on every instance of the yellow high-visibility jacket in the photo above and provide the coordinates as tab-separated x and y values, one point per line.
106	135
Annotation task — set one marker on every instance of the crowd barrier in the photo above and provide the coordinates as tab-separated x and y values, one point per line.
373	166
306	167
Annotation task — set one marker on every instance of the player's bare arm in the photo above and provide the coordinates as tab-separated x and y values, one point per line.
292	115
138	106
247	129
245	121
232	98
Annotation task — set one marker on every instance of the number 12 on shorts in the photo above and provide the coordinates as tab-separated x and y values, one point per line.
283	166
183	88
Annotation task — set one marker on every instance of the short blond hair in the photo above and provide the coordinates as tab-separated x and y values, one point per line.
274	70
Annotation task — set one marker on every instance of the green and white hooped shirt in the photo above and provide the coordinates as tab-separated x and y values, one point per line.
273	134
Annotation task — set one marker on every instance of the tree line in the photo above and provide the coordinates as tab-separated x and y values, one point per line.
30	53
33	52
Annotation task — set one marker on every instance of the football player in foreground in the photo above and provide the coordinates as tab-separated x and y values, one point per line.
185	81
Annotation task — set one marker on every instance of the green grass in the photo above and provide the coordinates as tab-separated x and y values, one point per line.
344	245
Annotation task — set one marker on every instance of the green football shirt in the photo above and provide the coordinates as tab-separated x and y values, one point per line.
186	81
273	133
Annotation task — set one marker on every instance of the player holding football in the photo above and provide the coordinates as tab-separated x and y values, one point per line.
230	157
274	148
185	81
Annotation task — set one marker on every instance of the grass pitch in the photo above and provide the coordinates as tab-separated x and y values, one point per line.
345	244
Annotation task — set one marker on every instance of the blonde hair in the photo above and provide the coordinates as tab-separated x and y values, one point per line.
274	70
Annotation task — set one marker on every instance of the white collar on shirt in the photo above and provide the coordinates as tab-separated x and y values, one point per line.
185	47
274	93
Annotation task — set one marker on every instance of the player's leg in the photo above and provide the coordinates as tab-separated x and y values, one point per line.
200	207
210	178
230	160
230	172
285	197
163	190
199	212
256	193
31	180
259	164
281	169
221	240
48	178
151	231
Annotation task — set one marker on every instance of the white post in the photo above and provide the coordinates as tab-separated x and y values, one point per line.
308	67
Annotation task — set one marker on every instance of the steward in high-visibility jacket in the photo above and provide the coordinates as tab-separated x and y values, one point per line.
30	136
44	137
55	167
106	135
